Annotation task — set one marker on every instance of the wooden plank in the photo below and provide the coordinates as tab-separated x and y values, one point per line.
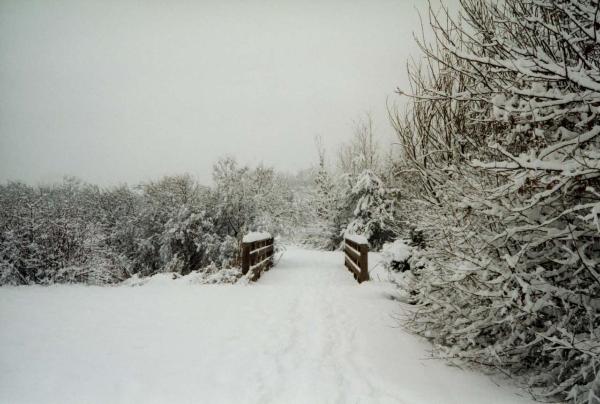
351	252
252	268
350	243
355	269
261	249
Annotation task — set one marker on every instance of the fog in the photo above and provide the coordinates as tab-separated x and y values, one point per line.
125	91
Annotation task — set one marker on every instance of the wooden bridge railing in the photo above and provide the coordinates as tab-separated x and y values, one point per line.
356	257
257	254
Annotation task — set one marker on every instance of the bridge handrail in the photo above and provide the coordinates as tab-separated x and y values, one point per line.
257	254
356	257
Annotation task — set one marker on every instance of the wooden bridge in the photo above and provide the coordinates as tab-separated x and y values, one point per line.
258	251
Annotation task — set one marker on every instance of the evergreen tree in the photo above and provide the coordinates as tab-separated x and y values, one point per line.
373	215
329	208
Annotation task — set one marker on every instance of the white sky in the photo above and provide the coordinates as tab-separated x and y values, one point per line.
124	91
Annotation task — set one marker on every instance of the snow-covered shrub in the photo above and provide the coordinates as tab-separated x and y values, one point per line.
11	271
395	256
226	275
187	240
501	155
405	265
47	229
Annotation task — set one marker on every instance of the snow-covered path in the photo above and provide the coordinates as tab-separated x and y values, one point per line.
305	333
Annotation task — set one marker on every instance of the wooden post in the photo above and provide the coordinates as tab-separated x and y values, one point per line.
270	252
364	263
245	258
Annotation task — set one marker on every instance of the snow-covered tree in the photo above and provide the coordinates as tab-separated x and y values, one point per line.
501	148
327	203
361	152
245	199
373	214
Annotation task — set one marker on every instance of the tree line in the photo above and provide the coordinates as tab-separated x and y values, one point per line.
77	232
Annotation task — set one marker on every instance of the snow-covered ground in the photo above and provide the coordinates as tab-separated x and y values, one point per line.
306	332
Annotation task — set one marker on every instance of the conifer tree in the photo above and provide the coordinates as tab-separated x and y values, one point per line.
373	206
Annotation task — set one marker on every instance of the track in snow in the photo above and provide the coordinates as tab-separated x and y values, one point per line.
306	332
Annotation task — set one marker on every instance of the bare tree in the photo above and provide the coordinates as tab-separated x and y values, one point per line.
362	152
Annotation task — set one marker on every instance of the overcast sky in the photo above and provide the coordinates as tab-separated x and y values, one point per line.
125	91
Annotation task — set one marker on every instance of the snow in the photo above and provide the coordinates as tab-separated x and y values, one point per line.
396	251
356	238
306	332
256	236
226	275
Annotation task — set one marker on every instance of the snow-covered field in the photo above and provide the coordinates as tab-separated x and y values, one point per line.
306	332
